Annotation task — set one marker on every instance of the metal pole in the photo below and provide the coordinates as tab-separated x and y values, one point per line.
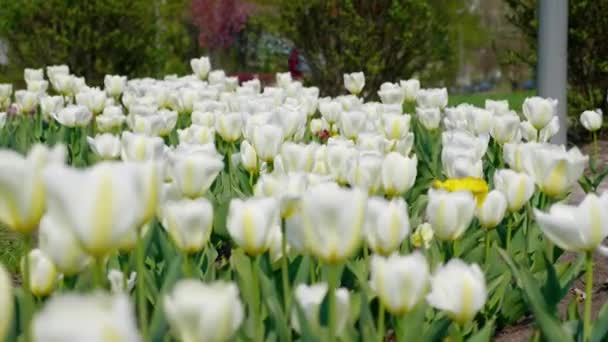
553	57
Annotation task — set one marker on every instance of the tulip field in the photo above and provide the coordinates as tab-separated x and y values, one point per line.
194	208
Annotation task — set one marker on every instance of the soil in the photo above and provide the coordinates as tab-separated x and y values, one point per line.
524	330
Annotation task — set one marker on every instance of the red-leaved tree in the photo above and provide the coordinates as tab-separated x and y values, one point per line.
219	21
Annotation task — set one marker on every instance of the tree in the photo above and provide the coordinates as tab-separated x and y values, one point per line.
93	37
587	51
389	40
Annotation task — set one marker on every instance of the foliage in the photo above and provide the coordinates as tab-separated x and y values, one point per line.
219	21
388	40
93	37
587	51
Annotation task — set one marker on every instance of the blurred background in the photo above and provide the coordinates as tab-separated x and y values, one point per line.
476	48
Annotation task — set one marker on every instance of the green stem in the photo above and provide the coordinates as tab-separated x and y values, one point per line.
595	149
141	296
285	271
509	232
333	313
98	273
313	273
29	299
256	308
456	335
381	329
187	266
588	295
251	180
487	251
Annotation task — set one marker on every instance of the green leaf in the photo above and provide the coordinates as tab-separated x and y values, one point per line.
437	331
546	321
484	334
158	325
408	326
600	327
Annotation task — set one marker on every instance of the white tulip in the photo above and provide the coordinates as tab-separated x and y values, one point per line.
387	224
91	317
189	223
450	213
73	116
33	74
592	119
114	85
195	170
398	173
229	126
432	98
118	284
267	140
183	100
517	187
3	117
112	117
53	71
203	119
57	242
50	104
576	228
196	135
395	126
459	290
401	282
310	298
42	273
482	120
37	86
23	196
7	300
372	142
318	125
539	111
497	107
138	147
105	146
291	120
250	223
391	94
331	110
27	100
297	157
505	128
430	118
283	79
249	157
492	210
101	204
64	84
337	156
364	171
354	82
333	220
352	123
517	155
528	132
253	84
93	98
410	89
554	169
201	67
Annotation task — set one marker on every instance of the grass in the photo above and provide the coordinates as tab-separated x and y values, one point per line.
516	99
12	249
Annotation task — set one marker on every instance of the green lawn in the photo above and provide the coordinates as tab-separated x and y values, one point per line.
516	99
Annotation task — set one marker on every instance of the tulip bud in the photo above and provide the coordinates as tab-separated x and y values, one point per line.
58	243
491	212
398	173
249	157
387	224
194	171
138	147
93	317
73	116
401	282
364	171
423	235
432	98
459	290
188	222
554	169
93	98
395	126
42	273
311	297
505	128
251	221
229	126
450	213
539	111
430	118
354	82
105	146
267	140
517	187
410	89
351	123
201	67
114	85
33	74
330	110
592	119
391	94
498	108
333	221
